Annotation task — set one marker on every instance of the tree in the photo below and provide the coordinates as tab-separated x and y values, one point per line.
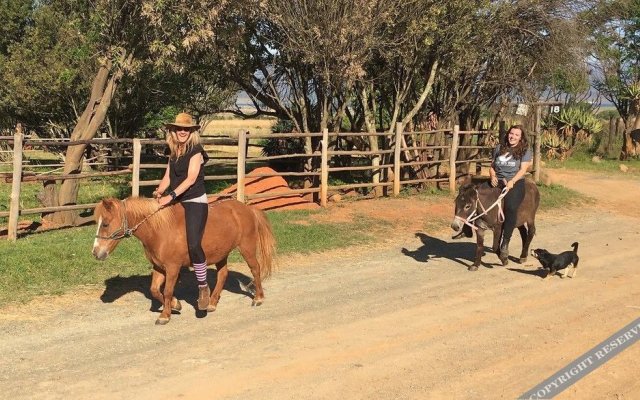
510	52
99	46
45	71
616	51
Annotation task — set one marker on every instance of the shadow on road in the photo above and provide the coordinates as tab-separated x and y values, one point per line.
186	288
540	273
460	252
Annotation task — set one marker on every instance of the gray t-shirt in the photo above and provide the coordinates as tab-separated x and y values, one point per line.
506	166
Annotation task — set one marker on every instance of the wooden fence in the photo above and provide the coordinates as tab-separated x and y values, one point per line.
427	160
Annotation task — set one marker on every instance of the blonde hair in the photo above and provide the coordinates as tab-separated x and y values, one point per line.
176	148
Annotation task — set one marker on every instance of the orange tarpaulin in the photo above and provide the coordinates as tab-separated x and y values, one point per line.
267	184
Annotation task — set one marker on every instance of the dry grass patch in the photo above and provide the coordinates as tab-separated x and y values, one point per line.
230	127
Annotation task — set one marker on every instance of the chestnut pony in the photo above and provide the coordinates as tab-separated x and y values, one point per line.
230	225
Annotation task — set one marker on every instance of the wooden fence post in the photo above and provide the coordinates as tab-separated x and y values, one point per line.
14	208
610	136
452	158
242	158
135	181
537	145
324	168
396	159
502	130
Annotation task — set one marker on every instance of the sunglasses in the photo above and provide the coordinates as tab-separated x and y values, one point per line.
181	129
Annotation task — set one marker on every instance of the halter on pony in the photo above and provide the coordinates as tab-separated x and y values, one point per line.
124	231
472	217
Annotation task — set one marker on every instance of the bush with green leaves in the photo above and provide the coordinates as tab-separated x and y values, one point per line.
282	146
575	123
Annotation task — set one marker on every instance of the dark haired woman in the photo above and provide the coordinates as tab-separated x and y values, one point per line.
511	159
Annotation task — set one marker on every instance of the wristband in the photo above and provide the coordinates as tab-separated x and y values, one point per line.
173	195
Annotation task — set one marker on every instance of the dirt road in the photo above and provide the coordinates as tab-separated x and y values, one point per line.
399	320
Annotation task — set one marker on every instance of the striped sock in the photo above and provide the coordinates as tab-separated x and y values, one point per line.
201	273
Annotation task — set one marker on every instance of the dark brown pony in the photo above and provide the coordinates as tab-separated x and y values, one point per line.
473	199
230	225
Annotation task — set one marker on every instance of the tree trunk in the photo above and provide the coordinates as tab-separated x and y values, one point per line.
104	86
369	110
423	95
606	139
628	147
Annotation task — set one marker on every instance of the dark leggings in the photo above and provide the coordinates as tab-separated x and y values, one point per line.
512	202
195	215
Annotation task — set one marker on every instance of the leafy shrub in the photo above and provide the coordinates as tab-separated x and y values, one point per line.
282	146
282	126
575	123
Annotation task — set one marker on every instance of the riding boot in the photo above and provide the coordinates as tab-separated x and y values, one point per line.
204	295
504	252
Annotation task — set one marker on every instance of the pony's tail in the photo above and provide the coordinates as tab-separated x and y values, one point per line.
575	247
266	246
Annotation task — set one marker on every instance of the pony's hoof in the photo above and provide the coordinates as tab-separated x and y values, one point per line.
162	321
211	308
256	303
473	268
523	260
176	307
504	261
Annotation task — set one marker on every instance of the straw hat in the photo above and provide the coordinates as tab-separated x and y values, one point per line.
183	120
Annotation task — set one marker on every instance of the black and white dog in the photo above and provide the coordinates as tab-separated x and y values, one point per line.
556	262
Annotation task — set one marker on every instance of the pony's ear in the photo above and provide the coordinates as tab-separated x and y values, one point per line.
106	205
464	180
465	187
109	203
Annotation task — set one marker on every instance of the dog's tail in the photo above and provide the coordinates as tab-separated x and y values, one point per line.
575	247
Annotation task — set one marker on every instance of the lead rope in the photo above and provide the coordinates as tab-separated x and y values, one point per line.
129	232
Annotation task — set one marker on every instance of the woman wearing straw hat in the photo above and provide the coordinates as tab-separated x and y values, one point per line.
184	177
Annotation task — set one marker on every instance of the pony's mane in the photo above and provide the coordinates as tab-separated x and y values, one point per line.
488	189
141	207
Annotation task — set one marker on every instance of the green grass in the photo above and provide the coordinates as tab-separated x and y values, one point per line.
297	233
56	262
605	166
560	197
581	160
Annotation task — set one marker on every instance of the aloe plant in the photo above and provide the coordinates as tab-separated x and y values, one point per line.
575	123
632	92
577	117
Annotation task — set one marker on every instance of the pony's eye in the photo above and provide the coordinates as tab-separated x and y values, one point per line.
467	206
104	225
